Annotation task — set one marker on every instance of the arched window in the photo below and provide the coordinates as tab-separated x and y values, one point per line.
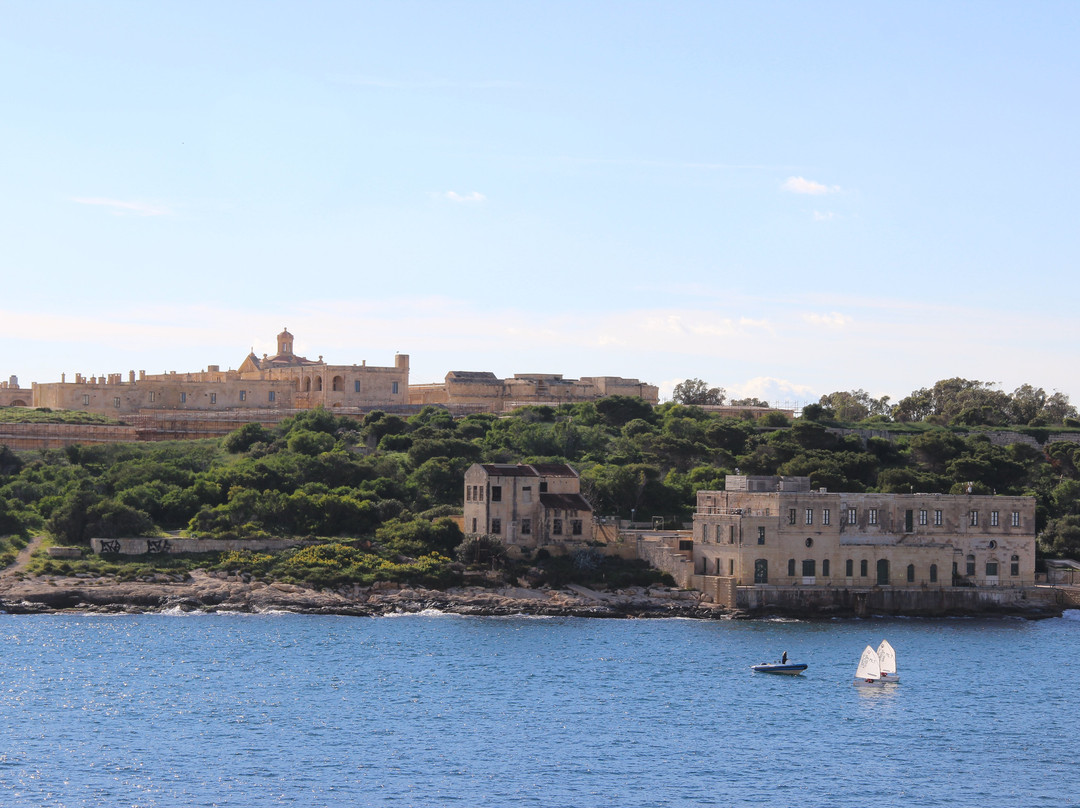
911	573
1014	566
825	568
849	568
318	384
933	573
883	572
761	571
791	567
970	566
338	384
307	384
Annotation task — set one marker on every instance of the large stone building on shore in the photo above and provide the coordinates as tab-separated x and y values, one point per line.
778	531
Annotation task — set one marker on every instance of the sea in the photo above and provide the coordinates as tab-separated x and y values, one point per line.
441	710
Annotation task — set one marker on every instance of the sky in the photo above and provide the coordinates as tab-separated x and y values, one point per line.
781	199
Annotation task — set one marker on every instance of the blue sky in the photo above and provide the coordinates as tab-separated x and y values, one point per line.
783	199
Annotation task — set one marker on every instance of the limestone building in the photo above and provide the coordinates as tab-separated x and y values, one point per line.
11	395
777	531
280	382
483	390
527	505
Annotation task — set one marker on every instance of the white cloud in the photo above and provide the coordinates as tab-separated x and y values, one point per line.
833	320
121	208
824	216
474	196
801	185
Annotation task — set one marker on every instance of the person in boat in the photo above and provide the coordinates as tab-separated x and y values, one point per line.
783	659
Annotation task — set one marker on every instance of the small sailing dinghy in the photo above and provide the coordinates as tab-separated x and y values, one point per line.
887	660
868	674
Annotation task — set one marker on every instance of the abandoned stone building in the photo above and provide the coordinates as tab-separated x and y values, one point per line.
527	505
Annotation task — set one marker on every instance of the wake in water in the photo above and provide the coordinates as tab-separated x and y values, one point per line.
1071	614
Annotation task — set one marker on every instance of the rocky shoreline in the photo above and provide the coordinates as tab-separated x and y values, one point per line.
203	591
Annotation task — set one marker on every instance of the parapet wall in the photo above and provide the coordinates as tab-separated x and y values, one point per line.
174	546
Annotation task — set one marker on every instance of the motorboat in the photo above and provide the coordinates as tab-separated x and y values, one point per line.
789	668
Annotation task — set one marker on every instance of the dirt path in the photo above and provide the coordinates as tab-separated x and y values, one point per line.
23	558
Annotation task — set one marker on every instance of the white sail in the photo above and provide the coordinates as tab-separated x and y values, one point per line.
869	665
887	658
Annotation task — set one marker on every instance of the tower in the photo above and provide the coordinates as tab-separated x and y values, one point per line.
284	343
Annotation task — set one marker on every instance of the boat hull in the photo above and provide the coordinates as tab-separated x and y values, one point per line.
790	669
869	683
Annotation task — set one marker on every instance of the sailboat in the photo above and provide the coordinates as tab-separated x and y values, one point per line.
868	674
887	660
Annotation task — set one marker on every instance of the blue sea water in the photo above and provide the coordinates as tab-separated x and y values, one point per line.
437	710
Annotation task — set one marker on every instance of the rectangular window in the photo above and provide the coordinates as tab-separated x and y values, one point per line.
1014	568
791	517
213	398
851	516
937	518
496	493
809	516
526	527
922	516
872	518
705	533
575	527
1016	518
356	386
863	566
730	566
526	494
973	518
849	568
468	493
474	525
183	398
731	534
993	518
808	568
556	527
824	516
271	396
991	569
243	395
496	526
153	396
543	487
761	535
86	399
969	566
825	568
116	402
394	388
909	521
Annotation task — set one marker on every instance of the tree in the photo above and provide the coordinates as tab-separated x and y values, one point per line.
695	391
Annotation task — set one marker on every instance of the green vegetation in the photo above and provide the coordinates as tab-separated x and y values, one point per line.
43	415
372	496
